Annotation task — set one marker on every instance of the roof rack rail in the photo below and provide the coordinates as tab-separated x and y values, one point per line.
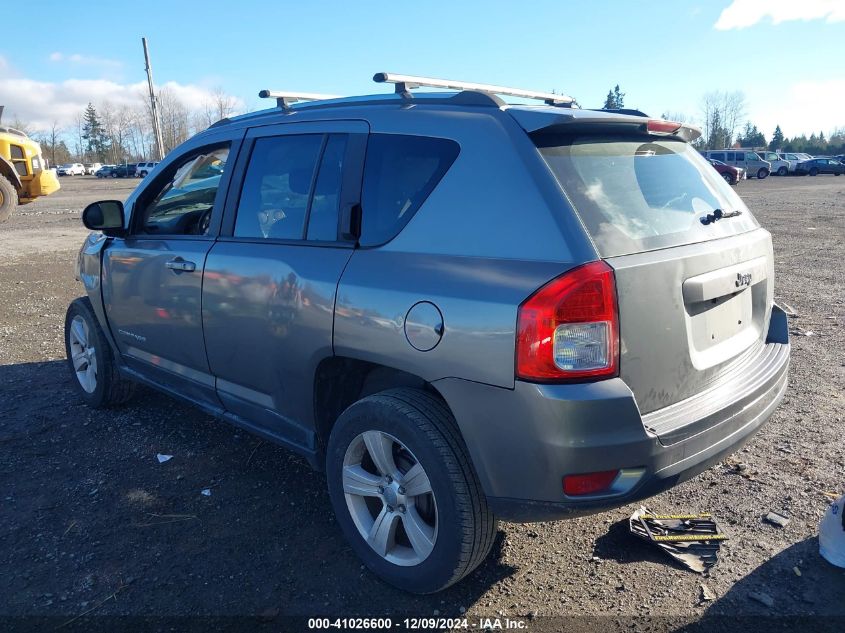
404	84
285	99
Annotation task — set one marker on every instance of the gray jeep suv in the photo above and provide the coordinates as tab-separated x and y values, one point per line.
461	310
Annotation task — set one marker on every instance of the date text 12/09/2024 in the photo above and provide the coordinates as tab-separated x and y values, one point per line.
413	624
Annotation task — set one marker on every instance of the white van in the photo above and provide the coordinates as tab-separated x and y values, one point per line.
746	159
780	166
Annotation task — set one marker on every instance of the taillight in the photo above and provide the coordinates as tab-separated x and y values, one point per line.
569	328
661	127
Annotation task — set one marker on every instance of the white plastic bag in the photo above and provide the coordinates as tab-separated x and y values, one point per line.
832	533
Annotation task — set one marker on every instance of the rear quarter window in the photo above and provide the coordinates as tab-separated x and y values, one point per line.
639	194
400	172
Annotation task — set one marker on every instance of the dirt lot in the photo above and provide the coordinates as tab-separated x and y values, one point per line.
90	521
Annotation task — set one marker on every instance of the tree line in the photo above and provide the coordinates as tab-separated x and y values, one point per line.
108	133
724	124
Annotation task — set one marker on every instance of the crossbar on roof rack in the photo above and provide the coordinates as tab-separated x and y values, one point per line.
404	84
285	99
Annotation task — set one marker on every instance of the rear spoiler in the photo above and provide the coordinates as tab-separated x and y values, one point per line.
543	121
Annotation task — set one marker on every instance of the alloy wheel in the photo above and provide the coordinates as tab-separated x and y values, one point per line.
83	354
390	499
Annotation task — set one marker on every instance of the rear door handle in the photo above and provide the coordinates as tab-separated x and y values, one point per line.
181	265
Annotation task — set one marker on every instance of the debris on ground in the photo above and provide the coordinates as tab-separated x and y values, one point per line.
707	594
832	533
741	468
762	598
206	492
691	539
777	519
163	458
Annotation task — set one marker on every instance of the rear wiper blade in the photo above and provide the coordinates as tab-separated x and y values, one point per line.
718	214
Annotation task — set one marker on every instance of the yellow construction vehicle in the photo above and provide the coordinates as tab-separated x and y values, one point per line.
24	175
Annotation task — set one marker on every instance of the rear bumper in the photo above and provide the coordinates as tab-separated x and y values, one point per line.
523	441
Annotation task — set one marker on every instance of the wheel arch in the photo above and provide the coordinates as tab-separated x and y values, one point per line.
8	170
340	381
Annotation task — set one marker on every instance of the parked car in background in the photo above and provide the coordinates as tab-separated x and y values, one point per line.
731	174
313	283
105	171
124	171
822	165
794	157
779	166
747	159
71	169
142	169
92	168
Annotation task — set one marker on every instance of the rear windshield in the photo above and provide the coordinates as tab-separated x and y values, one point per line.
640	194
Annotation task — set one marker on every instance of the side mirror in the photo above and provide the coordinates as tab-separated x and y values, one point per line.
105	216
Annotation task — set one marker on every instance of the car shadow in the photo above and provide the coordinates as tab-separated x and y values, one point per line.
618	545
229	525
774	598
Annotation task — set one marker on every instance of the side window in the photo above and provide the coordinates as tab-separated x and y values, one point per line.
183	206
322	219
399	174
18	159
718	156
730	156
277	185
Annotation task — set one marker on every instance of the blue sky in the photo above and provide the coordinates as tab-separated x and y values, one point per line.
664	55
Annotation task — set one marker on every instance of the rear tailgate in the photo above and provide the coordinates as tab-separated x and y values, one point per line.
686	313
694	296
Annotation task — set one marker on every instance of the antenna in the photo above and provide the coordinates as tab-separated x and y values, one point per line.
153	105
404	84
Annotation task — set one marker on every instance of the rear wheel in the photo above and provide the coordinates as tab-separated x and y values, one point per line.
728	178
90	359
762	173
8	199
814	172
405	493
782	171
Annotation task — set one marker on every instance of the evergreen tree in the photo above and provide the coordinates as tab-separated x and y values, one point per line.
751	137
619	97
777	139
94	134
615	99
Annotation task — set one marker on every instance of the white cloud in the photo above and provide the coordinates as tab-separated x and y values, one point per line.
744	13
40	103
84	60
804	108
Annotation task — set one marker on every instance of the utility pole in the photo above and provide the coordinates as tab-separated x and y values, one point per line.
153	103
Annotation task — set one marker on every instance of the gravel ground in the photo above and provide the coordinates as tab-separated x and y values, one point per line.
90	521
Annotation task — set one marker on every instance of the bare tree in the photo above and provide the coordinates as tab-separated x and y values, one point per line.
722	113
79	140
219	106
51	140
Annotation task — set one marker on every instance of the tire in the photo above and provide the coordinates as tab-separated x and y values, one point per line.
8	199
90	359
728	178
421	432
143	174
782	171
814	172
762	173
113	175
